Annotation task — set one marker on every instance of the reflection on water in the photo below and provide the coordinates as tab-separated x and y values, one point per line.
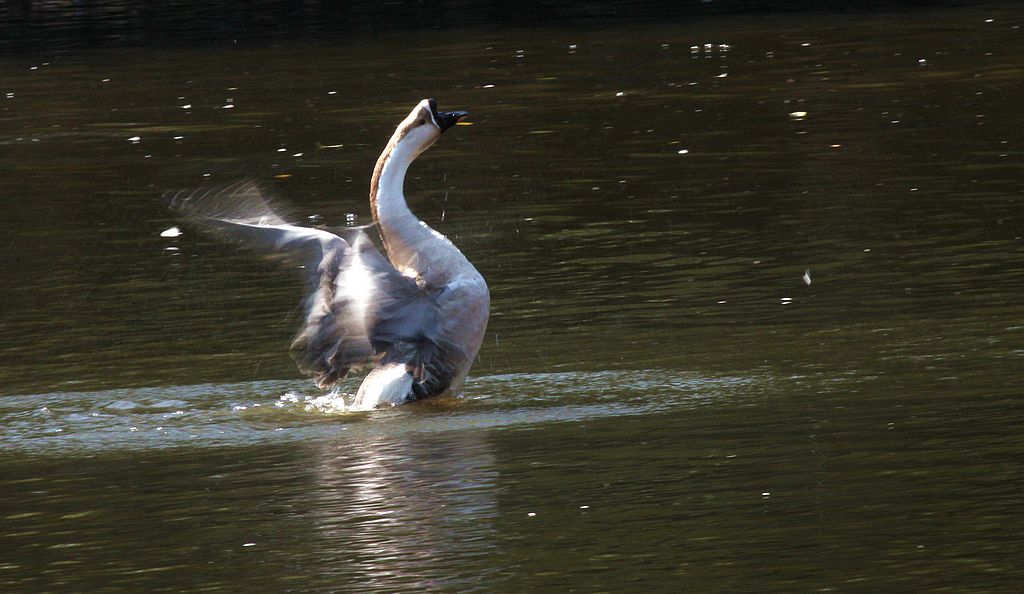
705	494
393	512
662	401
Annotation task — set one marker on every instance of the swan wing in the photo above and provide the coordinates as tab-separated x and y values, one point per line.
359	307
244	212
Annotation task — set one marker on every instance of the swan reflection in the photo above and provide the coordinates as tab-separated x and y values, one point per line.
395	510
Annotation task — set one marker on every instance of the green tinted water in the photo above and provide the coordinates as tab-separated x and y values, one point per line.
662	402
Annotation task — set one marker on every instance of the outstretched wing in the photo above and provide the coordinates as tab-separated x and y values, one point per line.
359	306
244	212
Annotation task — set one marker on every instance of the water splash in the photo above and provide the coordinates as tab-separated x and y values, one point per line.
334	402
217	415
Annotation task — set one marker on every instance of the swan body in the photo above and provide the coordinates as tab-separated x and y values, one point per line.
418	315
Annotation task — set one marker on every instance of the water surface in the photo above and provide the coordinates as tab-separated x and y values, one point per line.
756	321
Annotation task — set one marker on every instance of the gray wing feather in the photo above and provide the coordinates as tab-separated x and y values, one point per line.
359	306
243	212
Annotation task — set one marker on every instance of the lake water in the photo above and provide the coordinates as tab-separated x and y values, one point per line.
758	312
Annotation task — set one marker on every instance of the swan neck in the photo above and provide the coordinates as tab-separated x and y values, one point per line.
387	195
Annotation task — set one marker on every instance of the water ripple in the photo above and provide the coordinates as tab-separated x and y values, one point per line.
213	415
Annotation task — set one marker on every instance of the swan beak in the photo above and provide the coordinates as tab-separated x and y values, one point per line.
451	118
445	119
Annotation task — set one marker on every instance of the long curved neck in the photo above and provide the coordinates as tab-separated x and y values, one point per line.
410	244
388	208
387	196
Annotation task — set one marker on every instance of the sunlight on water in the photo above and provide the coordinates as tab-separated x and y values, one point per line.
334	402
804	242
279	411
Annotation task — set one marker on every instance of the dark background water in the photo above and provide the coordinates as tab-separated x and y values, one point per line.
47	26
662	401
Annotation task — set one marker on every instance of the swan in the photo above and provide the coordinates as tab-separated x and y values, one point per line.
417	315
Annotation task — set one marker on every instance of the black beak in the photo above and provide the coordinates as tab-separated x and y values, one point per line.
445	119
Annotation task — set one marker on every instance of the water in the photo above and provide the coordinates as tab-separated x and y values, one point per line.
662	402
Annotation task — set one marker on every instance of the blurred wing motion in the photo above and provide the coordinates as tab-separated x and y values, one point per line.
243	213
360	308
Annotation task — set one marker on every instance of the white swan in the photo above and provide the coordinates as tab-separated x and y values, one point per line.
419	316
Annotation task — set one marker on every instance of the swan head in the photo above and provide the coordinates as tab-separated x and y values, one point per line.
424	125
442	119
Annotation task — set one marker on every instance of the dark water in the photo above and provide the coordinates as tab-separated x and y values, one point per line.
662	402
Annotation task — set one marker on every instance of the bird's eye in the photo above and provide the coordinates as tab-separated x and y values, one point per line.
422	121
